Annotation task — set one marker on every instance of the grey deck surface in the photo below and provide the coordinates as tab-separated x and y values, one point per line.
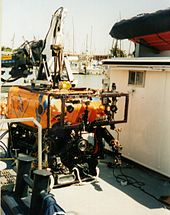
107	196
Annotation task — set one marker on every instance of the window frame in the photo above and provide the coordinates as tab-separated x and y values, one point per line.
136	82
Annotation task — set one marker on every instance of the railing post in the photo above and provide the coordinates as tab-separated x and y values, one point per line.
24	167
41	183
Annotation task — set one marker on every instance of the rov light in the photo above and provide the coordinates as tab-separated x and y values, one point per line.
69	107
113	108
82	145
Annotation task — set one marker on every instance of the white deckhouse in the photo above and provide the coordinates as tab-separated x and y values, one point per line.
146	77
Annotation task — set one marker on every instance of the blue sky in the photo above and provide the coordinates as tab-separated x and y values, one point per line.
92	20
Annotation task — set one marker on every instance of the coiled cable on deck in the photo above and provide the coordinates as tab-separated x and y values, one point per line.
120	178
125	180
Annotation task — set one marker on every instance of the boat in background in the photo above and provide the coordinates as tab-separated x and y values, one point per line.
7	59
85	64
149	31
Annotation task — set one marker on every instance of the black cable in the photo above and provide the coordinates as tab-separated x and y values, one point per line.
9	79
129	180
3	134
5	152
3	145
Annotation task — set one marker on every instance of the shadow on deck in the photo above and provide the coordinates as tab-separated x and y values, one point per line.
143	185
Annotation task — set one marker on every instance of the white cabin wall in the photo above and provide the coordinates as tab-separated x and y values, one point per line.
145	137
165	147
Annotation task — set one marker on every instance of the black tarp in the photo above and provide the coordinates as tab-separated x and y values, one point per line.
144	24
50	206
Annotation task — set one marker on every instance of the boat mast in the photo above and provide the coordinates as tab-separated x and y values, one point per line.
91	38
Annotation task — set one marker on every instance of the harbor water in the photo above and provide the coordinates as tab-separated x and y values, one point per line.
93	81
89	81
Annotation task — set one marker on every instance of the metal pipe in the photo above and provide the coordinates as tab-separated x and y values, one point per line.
39	134
62	110
48	112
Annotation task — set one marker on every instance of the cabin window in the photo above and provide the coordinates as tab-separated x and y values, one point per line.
136	78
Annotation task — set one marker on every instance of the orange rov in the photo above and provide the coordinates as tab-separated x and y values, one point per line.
68	118
74	120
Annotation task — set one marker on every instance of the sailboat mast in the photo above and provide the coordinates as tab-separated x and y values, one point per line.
91	38
87	43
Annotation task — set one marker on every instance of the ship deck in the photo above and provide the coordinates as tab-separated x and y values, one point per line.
129	190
